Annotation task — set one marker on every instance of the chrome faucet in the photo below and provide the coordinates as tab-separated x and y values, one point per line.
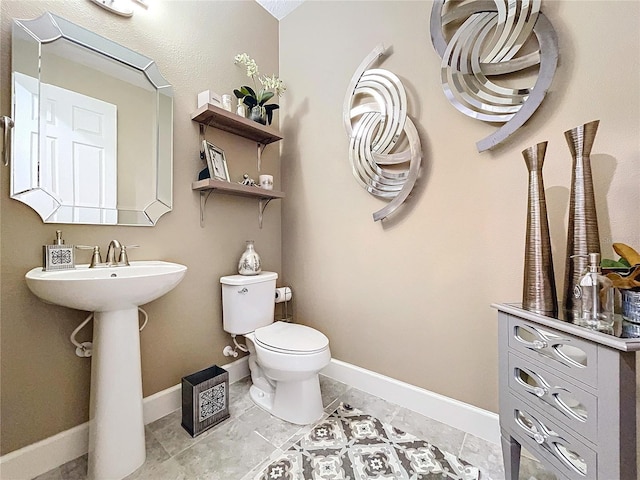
111	255
96	260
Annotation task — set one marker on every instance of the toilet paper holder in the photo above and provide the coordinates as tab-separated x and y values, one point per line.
284	295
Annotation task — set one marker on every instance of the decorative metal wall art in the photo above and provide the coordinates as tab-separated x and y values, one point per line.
582	232
539	285
488	43
376	121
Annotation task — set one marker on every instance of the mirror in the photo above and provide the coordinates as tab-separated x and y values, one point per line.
93	134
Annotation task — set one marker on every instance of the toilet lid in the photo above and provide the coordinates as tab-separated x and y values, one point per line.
291	338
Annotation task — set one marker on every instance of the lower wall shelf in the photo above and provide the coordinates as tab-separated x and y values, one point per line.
206	187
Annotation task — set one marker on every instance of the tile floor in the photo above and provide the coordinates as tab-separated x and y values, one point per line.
240	447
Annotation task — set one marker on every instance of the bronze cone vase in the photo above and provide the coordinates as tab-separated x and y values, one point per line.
539	285
582	231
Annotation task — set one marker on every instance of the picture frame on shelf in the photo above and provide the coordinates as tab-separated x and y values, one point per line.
216	162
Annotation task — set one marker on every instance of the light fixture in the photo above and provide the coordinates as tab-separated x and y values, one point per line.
120	7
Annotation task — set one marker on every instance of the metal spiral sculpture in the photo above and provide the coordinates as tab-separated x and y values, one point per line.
486	45
378	126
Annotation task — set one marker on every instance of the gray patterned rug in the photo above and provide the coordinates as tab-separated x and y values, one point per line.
350	445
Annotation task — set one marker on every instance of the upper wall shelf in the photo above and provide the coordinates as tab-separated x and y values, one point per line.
230	122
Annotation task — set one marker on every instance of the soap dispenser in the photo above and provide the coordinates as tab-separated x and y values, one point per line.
595	293
58	256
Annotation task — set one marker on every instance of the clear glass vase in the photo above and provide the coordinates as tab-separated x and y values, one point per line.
250	263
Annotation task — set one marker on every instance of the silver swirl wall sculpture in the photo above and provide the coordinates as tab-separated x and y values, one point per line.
488	43
384	146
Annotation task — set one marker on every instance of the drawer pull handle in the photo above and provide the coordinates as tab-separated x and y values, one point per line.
539	391
539	344
539	438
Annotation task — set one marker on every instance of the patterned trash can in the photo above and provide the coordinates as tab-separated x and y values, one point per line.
205	399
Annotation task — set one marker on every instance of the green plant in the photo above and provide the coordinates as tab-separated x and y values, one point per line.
269	86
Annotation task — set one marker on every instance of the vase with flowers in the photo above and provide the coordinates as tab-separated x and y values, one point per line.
256	98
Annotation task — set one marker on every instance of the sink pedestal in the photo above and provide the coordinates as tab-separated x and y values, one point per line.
116	426
116	423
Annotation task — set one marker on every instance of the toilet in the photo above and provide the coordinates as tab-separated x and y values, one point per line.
284	358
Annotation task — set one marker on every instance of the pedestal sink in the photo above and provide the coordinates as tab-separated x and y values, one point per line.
116	427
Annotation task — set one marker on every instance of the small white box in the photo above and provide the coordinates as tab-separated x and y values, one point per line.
209	96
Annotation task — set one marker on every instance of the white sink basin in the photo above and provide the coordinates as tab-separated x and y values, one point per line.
116	423
104	289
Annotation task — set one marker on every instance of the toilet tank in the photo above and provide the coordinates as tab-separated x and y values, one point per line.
248	302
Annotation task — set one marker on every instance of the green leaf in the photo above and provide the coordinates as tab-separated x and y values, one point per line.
264	97
269	109
609	263
238	93
625	262
248	91
249	101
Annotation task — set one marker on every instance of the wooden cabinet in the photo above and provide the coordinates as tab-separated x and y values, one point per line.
213	116
568	395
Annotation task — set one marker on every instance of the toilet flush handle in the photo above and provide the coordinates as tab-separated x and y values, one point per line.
243	291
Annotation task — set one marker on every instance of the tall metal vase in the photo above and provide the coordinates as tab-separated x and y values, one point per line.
582	232
539	285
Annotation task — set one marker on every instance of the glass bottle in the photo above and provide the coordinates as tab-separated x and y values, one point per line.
249	263
595	293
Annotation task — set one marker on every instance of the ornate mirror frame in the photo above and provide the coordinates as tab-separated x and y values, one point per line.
147	173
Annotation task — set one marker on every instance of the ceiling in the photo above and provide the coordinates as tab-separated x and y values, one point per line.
280	8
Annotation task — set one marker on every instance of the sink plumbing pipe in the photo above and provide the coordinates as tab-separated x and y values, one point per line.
230	351
85	349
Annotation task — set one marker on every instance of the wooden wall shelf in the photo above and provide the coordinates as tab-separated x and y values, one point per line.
220	118
208	186
235	189
216	117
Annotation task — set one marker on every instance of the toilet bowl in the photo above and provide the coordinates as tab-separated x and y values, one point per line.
285	370
284	358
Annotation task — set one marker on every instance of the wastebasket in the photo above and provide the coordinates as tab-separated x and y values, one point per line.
205	399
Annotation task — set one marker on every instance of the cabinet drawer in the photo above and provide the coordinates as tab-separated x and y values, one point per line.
553	395
548	440
560	352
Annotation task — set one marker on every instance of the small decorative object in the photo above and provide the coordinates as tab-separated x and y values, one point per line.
216	161
631	305
582	233
468	68
625	275
259	110
204	174
376	128
205	399
539	285
249	263
209	97
266	182
247	180
594	293
226	102
241	109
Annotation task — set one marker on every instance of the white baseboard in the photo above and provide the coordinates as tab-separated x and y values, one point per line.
40	457
474	420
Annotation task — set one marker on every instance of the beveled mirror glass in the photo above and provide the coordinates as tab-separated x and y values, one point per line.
93	134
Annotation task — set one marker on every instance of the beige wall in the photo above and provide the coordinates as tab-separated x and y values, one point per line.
410	297
44	386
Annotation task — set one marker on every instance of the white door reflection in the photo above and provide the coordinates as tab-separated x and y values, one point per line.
78	153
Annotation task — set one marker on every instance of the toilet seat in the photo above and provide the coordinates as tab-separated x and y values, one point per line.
291	338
